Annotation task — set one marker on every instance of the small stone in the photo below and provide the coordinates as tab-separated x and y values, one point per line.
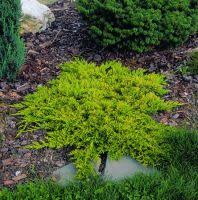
176	116
17	173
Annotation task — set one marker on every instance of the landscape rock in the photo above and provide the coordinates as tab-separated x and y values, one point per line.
64	175
176	116
123	168
36	16
17	173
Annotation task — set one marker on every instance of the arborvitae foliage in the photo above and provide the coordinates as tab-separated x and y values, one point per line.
11	46
97	110
140	24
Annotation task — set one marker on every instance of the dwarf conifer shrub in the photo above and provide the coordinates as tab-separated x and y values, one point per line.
96	110
11	46
140	24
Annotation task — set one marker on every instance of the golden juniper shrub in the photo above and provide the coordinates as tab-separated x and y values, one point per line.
97	110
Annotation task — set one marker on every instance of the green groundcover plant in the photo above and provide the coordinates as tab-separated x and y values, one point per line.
11	46
140	24
97	110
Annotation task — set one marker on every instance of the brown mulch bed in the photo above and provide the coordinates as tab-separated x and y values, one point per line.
65	39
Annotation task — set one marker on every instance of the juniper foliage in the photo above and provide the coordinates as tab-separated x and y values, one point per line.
96	110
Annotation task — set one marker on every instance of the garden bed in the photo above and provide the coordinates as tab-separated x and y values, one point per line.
65	39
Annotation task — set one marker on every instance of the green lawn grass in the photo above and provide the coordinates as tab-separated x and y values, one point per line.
174	186
177	180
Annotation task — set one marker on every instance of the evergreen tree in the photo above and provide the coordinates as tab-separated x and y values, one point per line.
11	46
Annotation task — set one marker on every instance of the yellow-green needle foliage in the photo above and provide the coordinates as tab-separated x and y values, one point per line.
97	110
